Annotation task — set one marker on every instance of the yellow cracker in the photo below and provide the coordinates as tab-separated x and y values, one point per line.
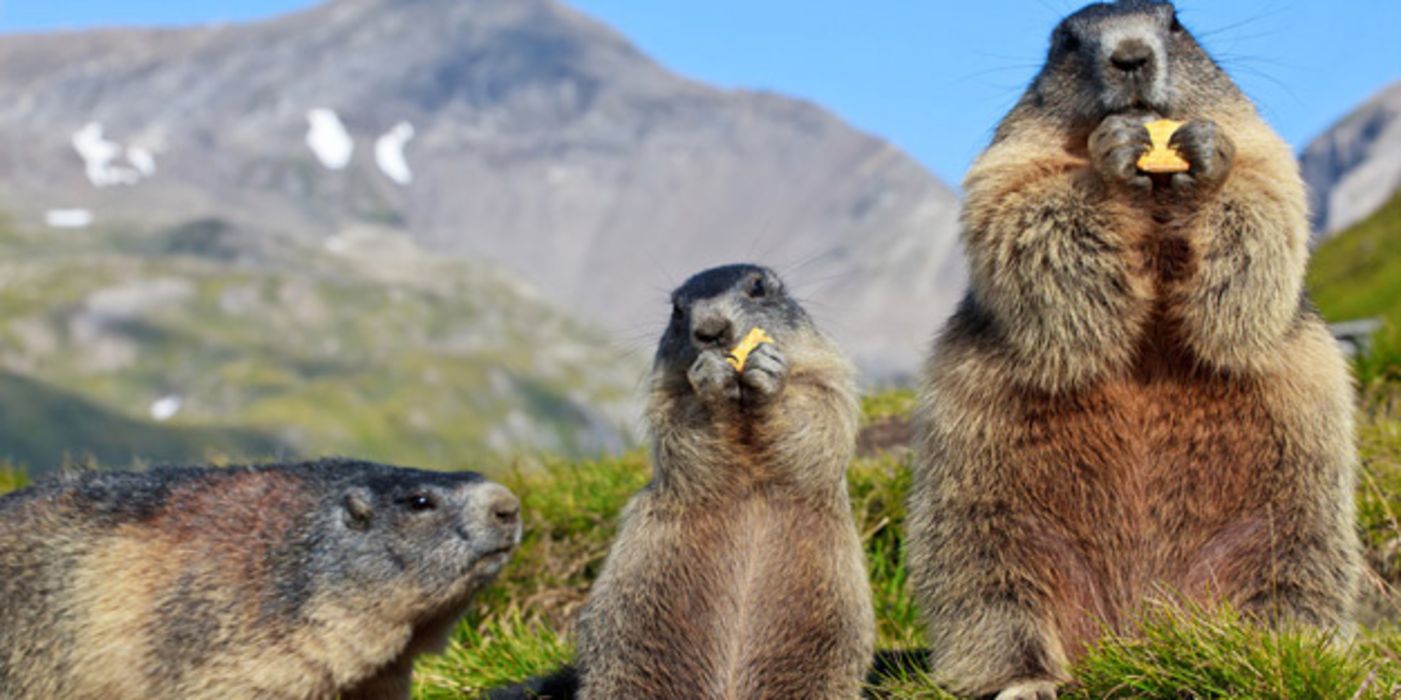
740	354
1162	158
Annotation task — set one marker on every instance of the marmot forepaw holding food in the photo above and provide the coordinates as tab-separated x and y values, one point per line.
1135	398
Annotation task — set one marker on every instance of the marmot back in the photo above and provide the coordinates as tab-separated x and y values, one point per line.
283	581
737	572
1135	396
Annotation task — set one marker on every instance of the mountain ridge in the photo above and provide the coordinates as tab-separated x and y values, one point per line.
543	141
1354	167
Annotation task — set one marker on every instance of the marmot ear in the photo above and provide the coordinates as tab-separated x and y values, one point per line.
359	509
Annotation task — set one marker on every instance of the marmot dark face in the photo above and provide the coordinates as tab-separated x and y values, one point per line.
444	534
1131	56
715	309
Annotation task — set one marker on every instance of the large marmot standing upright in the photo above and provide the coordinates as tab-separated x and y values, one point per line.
294	581
738	572
1135	398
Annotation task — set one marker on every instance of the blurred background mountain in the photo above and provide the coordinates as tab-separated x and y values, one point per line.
435	231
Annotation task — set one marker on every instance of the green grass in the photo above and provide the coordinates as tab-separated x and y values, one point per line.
1357	275
1201	654
520	628
12	478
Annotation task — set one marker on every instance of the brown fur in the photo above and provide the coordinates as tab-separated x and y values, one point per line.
738	572
1132	403
235	583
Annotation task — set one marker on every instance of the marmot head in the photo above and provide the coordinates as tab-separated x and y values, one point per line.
416	539
1124	57
715	309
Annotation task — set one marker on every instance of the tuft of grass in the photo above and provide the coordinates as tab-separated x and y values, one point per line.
1379	498
878	487
12	478
896	403
1379	369
496	652
1194	653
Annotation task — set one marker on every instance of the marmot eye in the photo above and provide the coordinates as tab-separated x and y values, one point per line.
677	312
757	288
1176	25
421	502
1070	42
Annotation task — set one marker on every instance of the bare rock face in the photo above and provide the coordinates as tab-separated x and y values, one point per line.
1355	167
512	131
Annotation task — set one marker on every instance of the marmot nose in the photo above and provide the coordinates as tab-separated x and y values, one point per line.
713	331
505	509
497	507
1131	56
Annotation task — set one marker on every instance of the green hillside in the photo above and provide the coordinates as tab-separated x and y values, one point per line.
361	344
40	421
1357	274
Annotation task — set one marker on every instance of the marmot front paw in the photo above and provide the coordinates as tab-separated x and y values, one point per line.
1115	147
1033	690
765	372
1209	150
712	377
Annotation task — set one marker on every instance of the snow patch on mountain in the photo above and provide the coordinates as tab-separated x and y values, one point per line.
100	158
142	159
166	407
389	153
328	139
68	218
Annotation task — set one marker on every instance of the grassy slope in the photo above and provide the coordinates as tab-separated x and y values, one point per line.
1357	274
35	417
519	628
373	349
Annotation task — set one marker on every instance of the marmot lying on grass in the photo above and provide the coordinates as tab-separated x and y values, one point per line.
287	581
1135	398
738	571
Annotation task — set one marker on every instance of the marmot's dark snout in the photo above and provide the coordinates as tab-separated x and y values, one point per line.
712	325
1133	69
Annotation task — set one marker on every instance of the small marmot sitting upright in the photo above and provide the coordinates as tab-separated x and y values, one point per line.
738	571
1135	399
287	581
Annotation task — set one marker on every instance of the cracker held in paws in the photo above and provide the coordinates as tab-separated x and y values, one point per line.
1163	159
740	354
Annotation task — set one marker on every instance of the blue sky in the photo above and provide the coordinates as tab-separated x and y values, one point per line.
931	76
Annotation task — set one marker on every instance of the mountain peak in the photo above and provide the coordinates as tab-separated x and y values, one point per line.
528	135
1355	167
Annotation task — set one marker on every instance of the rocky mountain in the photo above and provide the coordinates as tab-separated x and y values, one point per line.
1354	168
515	132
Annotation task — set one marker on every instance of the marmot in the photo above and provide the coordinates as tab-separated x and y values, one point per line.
281	581
1135	398
737	571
